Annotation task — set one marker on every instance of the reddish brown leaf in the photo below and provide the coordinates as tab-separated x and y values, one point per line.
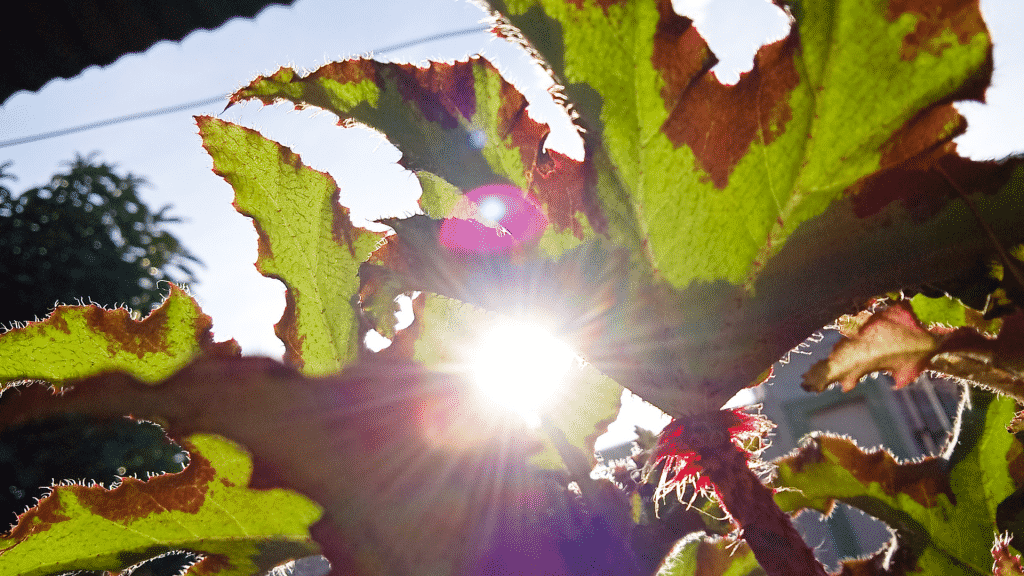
443	92
138	337
924	138
719	122
891	340
933	19
135	498
680	54
915	179
39	518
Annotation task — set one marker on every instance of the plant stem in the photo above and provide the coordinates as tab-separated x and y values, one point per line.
768	530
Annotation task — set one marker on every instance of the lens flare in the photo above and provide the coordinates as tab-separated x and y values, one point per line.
506	218
492	208
519	366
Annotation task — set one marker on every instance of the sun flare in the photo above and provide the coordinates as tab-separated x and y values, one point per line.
520	366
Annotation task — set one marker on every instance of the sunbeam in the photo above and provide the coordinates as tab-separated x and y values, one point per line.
519	366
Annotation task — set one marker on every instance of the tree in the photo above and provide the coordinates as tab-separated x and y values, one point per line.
87	235
707	231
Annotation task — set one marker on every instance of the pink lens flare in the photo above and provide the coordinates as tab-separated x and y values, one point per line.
507	217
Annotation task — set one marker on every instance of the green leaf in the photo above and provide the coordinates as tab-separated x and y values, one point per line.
439	199
942	508
205	509
710	556
79	341
949	311
722	175
306	240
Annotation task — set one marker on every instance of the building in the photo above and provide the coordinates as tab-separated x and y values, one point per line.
912	422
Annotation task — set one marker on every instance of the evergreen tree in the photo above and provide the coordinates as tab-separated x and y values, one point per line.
85	235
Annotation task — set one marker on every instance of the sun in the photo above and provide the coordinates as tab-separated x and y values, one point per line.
520	366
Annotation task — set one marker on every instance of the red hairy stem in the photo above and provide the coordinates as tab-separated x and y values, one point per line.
711	451
769	532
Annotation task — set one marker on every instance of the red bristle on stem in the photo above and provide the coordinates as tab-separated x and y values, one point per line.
768	530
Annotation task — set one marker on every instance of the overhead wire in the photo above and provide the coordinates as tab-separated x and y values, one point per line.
212	100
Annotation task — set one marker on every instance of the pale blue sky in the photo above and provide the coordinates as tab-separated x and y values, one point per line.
166	150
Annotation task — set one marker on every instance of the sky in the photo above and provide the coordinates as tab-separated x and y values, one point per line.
167	151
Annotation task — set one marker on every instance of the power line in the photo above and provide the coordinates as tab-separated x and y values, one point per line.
112	121
209	101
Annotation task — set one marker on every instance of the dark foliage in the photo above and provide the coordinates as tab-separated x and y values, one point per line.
86	235
78	449
49	39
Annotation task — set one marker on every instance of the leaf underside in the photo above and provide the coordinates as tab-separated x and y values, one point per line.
672	157
667	257
385	449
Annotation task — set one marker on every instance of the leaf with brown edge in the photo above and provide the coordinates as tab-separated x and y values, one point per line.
891	340
691	369
306	240
378	300
206	509
942	508
759	320
77	341
926	185
460	121
934	24
922	481
996	363
780	145
894	340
